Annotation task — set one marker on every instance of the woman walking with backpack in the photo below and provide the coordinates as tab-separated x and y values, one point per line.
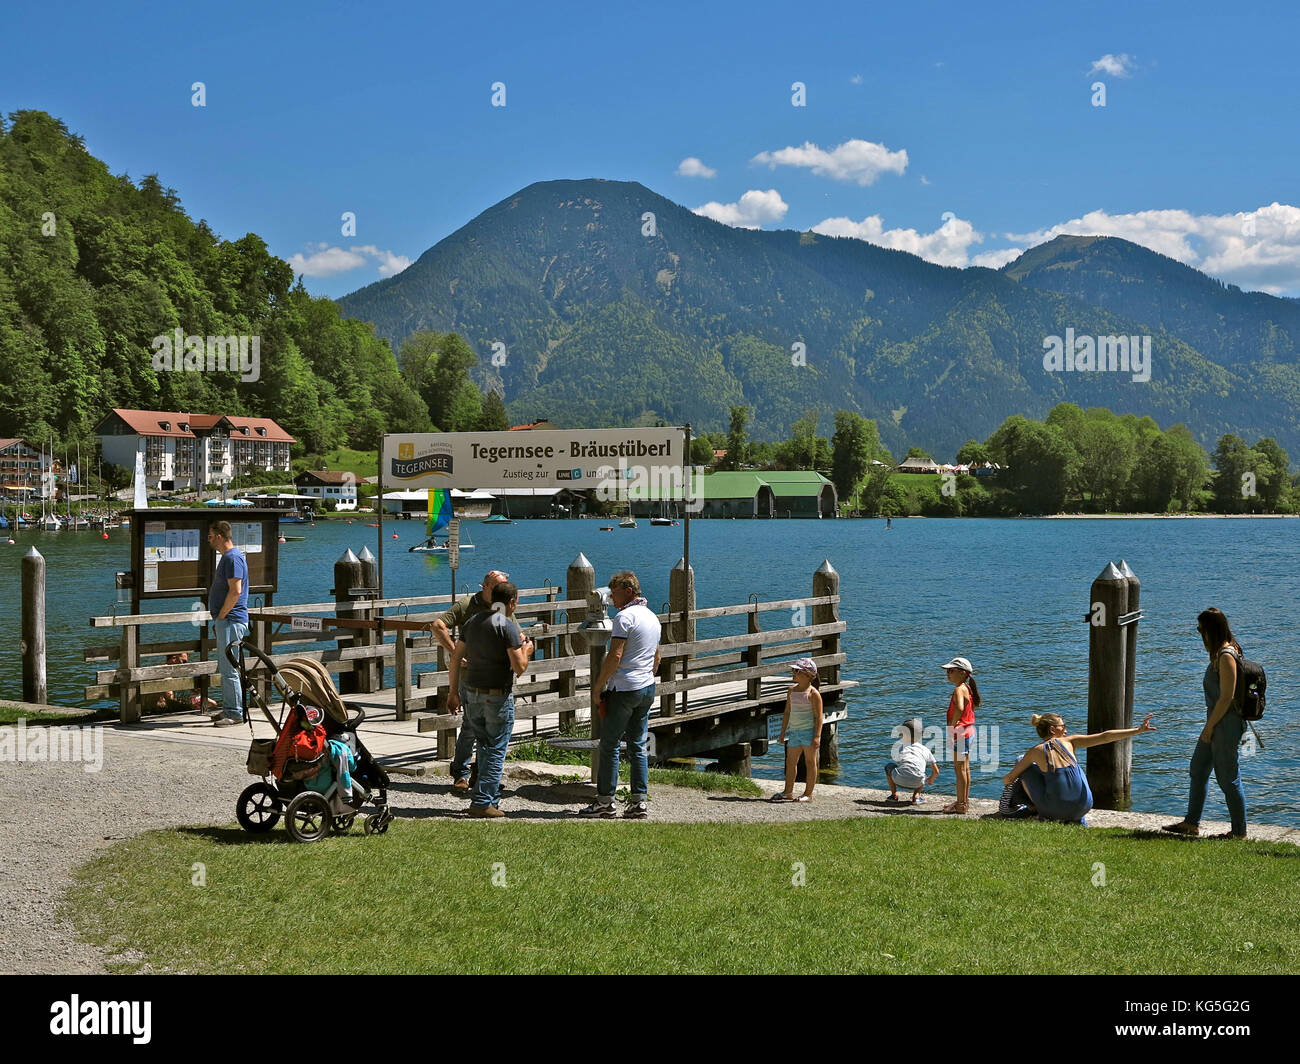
1217	746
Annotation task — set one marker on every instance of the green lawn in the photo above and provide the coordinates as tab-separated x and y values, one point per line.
892	894
362	463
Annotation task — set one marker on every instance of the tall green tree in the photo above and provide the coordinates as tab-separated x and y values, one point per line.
855	443
737	439
493	417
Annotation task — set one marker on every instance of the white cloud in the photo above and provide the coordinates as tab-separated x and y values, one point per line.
1117	66
755	208
995	260
924	180
323	260
1255	250
856	79
949	245
693	167
854	160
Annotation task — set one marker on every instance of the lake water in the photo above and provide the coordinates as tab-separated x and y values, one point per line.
1009	595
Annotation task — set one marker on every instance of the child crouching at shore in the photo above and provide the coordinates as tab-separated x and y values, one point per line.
908	771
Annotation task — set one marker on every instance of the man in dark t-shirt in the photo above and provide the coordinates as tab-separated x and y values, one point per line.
454	619
228	604
495	652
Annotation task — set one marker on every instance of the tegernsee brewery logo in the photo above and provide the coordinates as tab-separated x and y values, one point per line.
408	465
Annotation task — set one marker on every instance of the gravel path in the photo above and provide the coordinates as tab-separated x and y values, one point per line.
54	816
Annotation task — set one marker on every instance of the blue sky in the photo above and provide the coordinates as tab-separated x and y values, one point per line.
946	129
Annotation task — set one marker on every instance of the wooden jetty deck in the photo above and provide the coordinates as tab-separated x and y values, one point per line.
715	694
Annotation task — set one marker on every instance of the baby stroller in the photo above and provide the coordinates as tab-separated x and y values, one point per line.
316	773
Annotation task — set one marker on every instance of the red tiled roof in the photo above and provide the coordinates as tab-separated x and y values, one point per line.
274	434
326	476
149	422
540	422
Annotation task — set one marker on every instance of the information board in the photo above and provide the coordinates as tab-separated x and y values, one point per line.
170	556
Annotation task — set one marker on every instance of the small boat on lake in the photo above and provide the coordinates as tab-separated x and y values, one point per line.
436	545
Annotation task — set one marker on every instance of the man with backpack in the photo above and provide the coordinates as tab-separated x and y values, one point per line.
496	652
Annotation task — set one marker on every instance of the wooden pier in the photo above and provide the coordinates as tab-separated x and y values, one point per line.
715	693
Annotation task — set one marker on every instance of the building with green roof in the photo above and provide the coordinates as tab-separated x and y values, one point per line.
781	493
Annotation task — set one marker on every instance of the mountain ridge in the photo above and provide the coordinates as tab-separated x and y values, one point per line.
605	322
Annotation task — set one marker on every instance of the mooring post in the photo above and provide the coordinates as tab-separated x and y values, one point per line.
1130	625
681	606
826	582
371	670
1108	766
33	628
347	575
579	582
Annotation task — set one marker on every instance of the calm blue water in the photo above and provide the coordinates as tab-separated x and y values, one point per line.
1010	595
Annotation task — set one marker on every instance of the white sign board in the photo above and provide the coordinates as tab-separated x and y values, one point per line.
306	624
453	543
539	458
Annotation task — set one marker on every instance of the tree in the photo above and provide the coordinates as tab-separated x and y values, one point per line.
972	453
1273	480
701	451
855	443
1037	461
493	418
1235	479
918	452
737	439
873	491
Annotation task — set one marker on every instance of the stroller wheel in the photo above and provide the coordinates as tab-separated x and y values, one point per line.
377	823
308	817
343	823
258	808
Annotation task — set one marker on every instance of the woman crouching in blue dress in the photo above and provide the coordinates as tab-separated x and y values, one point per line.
1048	782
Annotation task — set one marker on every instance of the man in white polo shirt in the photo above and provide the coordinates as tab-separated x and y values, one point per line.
629	672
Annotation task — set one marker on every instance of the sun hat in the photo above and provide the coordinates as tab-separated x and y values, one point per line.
959	663
805	665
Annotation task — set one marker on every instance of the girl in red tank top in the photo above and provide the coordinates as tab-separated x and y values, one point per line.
961	727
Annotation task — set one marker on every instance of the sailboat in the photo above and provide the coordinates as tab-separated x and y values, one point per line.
663	518
48	522
439	520
501	518
629	521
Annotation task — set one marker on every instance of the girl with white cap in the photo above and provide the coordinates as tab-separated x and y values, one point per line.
961	727
801	730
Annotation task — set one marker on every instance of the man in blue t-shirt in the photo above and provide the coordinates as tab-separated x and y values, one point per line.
228	604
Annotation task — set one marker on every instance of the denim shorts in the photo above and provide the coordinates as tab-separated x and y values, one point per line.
795	739
960	740
902	779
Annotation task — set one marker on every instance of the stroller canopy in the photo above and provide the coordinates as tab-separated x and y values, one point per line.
312	680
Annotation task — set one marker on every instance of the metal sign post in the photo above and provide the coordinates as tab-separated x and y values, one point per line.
453	552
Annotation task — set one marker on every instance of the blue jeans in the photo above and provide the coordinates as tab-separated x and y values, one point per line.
232	694
627	716
464	743
491	719
1219	754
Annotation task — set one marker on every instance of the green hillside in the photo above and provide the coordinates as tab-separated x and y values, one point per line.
94	266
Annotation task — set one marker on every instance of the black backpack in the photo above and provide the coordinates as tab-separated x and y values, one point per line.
1248	699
